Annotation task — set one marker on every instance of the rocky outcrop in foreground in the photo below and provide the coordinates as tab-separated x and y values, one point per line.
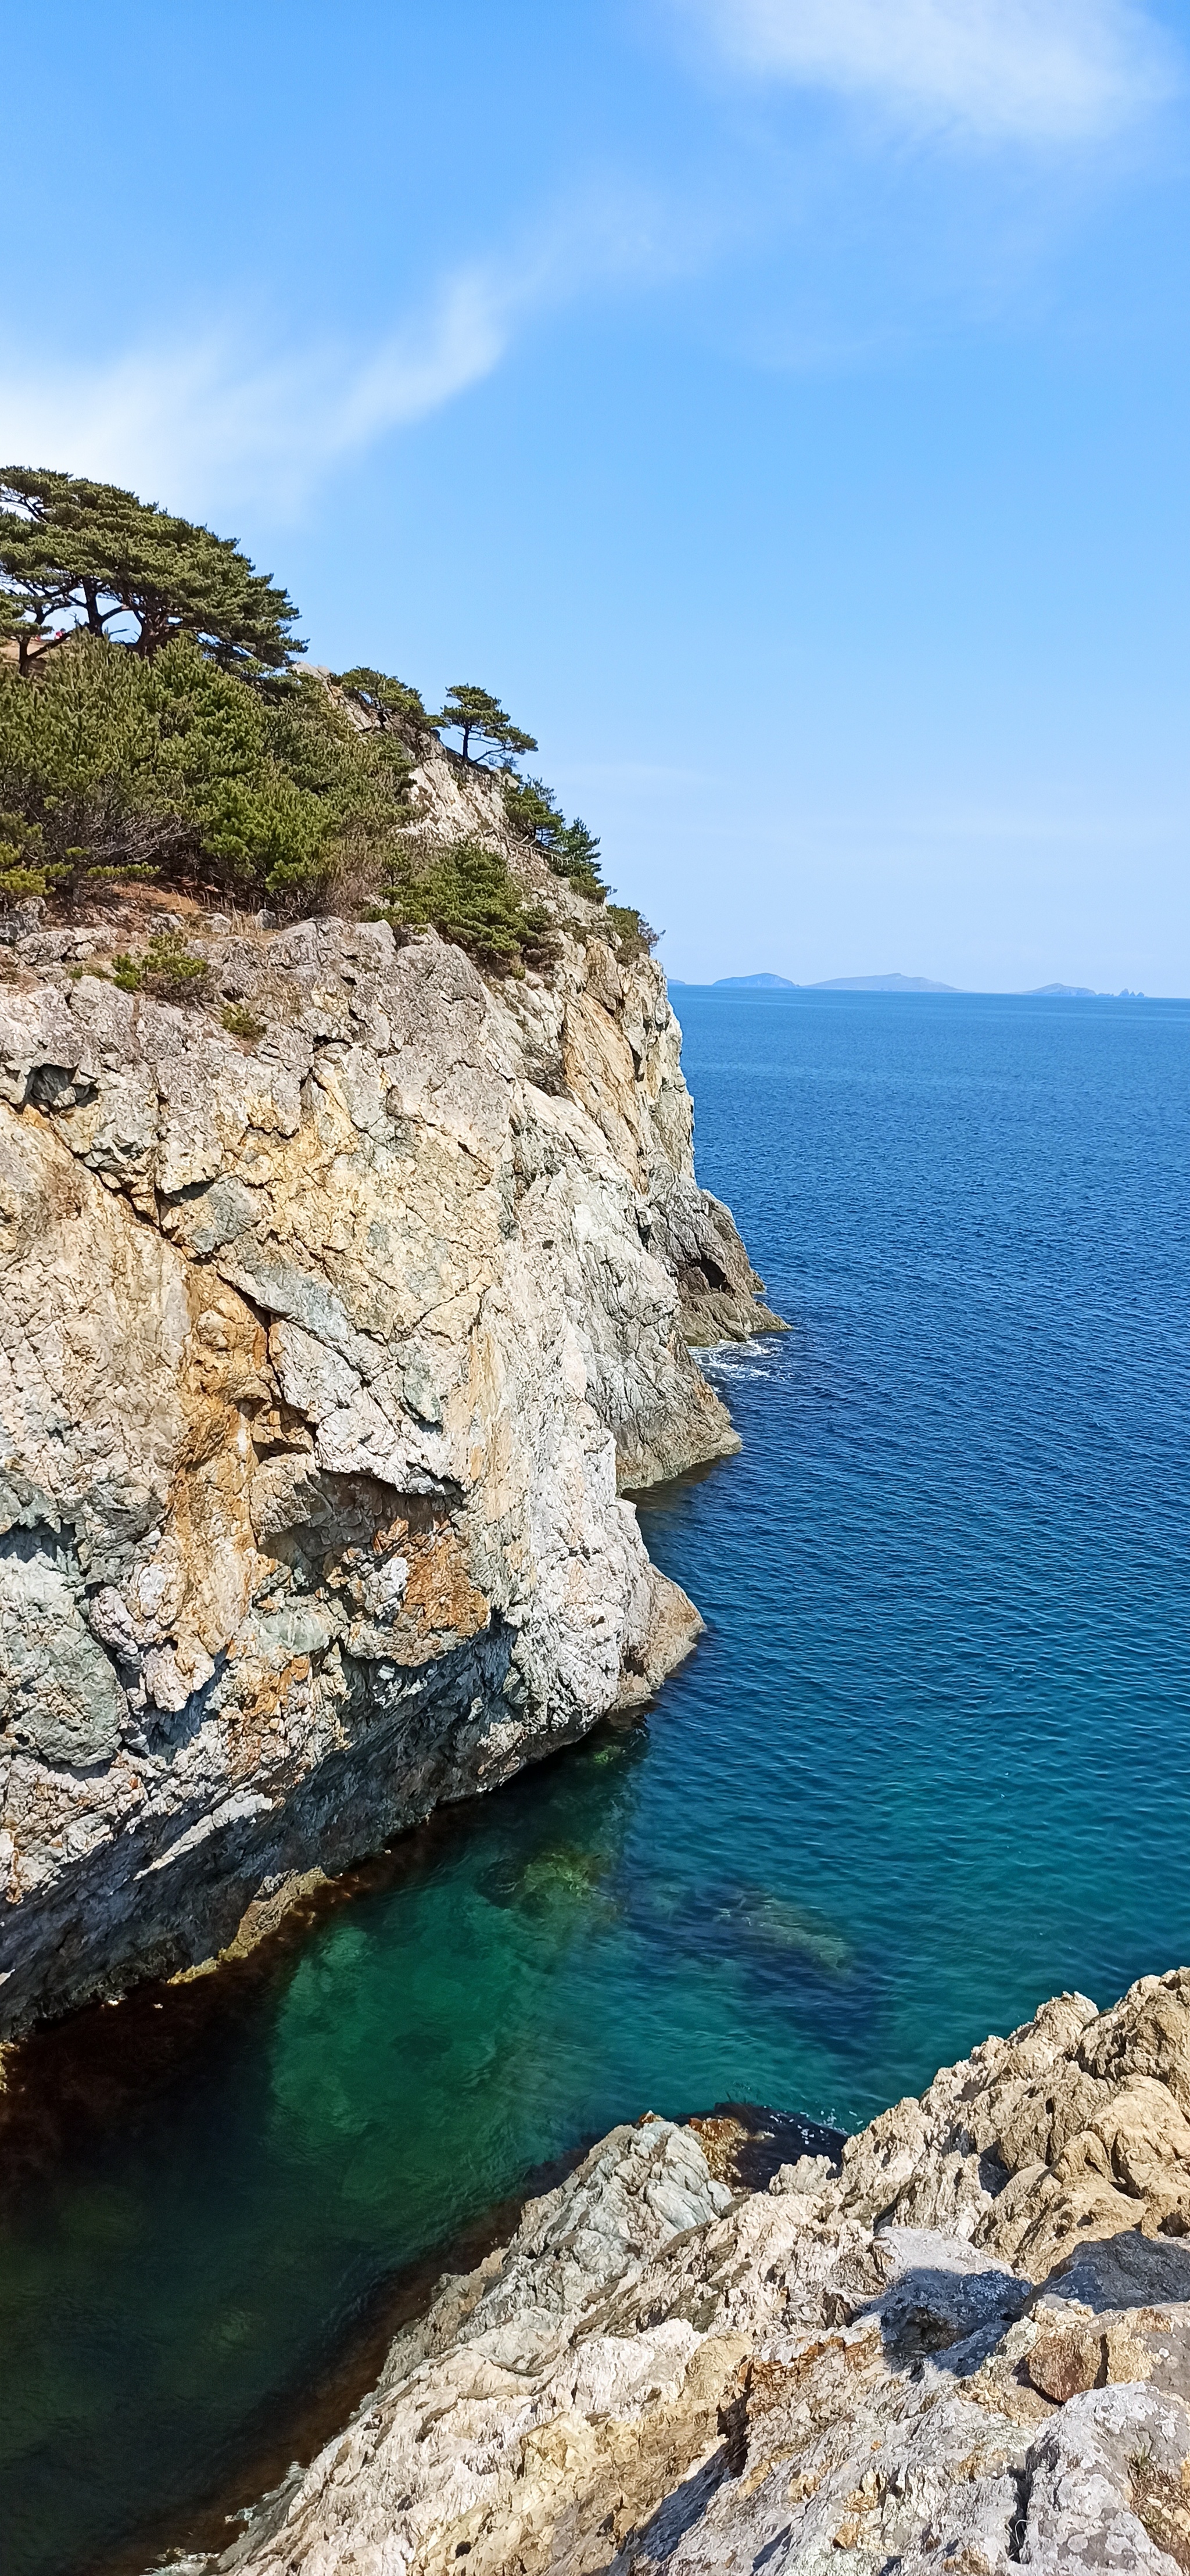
964	2348
335	1316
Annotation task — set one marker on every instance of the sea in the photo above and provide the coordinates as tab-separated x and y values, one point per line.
927	1766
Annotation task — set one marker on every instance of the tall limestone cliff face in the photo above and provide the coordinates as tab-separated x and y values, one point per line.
325	1361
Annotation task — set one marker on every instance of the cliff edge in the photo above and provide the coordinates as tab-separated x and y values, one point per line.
328	1352
964	2348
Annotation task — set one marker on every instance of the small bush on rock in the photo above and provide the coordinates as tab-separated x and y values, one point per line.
633	935
167	968
240	1022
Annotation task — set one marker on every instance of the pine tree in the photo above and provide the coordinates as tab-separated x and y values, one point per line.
391	703
572	850
75	552
576	855
479	717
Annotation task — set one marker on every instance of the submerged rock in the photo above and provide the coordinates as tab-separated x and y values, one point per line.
964	2348
561	1877
324	1364
777	1924
741	1923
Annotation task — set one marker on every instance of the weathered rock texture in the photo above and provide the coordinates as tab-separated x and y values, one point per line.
965	2349
324	1361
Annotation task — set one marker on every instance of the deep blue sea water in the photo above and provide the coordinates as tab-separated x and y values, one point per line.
928	1764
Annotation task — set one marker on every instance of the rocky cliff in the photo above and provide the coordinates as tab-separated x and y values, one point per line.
327	1357
963	2346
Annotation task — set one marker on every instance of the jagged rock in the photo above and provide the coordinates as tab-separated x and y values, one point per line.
326	1361
942	2353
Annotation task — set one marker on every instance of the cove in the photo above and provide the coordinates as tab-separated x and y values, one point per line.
927	1766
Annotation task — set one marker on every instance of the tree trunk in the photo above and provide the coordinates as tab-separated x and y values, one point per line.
153	613
31	644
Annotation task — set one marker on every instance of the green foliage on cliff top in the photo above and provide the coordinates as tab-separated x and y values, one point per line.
112	764
477	717
466	892
633	935
74	550
152	725
533	811
392	704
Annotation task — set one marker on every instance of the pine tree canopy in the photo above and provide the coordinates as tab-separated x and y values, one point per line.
480	718
75	552
390	702
572	850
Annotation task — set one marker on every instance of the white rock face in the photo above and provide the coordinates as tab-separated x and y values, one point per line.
324	1362
966	2348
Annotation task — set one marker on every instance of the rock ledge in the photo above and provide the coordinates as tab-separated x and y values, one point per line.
964	2348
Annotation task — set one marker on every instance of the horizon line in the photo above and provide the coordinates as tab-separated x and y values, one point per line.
925	990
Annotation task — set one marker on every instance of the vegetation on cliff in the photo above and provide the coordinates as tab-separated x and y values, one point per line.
155	723
91	553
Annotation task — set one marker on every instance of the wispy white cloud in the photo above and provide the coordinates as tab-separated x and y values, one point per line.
1038	71
207	420
211	419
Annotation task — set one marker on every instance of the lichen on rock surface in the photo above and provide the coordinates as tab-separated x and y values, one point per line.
963	2345
328	1359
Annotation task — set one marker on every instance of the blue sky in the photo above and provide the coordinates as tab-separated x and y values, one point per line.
781	403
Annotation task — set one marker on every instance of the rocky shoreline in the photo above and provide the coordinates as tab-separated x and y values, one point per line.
327	1359
963	2344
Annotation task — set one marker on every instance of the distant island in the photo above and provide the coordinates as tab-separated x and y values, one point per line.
835	984
882	984
891	984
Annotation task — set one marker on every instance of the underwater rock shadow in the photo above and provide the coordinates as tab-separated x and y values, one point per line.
786	1953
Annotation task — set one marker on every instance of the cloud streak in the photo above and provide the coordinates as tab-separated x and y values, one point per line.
208	417
205	421
211	420
1032	71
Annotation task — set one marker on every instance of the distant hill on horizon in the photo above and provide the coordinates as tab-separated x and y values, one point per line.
899	984
881	984
835	984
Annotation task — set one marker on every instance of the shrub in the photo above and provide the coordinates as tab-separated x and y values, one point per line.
83	783
468	894
392	704
116	768
533	811
22	859
633	935
240	1022
576	856
167	968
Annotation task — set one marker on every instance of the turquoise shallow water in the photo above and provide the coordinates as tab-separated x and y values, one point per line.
928	1764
